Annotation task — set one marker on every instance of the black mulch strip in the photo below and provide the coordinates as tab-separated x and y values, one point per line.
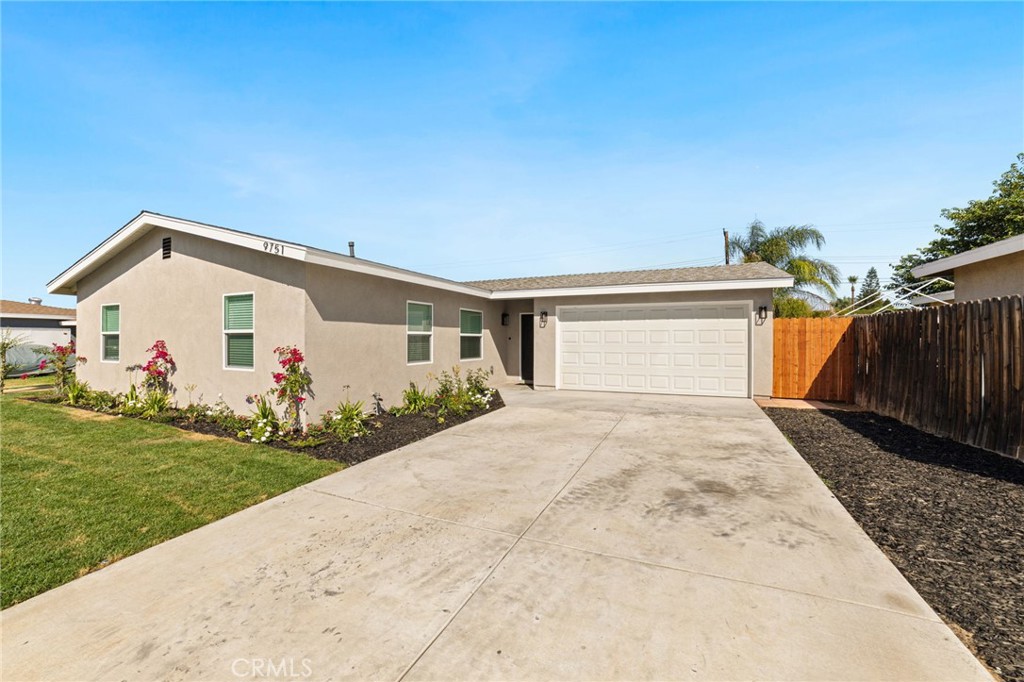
393	433
949	516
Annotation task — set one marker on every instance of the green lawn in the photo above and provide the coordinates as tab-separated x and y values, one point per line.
37	380
80	490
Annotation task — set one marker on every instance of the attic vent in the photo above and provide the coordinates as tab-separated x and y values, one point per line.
167	247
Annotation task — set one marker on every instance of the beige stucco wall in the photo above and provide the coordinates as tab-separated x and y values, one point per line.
1003	276
356	335
180	300
544	337
350	326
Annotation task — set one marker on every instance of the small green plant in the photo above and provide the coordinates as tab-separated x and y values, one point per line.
315	435
347	422
101	401
155	402
222	414
132	403
264	424
193	413
414	400
457	396
190	389
76	392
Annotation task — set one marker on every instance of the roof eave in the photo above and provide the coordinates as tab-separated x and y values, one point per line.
67	281
945	265
664	287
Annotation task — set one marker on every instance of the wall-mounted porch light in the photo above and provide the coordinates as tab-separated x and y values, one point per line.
543	318
762	313
504	319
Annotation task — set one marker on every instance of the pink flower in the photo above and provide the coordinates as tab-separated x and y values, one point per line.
25	375
42	365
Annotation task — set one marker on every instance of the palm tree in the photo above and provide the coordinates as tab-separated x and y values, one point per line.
852	279
784	248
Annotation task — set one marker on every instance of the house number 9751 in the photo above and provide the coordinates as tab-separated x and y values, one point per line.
274	248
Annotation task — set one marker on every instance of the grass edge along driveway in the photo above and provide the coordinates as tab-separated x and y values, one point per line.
81	490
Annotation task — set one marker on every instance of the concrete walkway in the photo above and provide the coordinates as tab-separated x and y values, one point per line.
568	536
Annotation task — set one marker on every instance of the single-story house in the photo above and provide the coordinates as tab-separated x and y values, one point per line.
37	326
989	271
223	300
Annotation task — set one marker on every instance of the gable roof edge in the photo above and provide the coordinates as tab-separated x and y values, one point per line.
1003	247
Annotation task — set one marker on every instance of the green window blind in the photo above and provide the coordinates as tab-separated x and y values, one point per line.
112	347
471	322
238	312
420	317
111	318
418	348
239	350
470	348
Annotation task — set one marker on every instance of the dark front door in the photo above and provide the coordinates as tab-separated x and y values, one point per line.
526	348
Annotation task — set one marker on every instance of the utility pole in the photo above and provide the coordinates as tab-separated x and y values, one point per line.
726	233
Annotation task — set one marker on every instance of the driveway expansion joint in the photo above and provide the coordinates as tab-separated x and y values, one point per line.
428	517
719	576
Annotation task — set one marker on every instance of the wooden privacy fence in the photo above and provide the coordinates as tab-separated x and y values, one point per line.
955	371
813	358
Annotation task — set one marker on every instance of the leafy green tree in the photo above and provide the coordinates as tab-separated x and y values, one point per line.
790	306
784	248
871	284
981	222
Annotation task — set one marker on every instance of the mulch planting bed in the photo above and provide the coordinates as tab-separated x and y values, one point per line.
949	516
394	432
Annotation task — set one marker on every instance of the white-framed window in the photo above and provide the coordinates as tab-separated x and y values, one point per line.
110	332
239	327
471	334
419	333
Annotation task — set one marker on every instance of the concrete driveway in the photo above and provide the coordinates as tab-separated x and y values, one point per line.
568	536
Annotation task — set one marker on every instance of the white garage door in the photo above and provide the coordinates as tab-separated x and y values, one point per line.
693	349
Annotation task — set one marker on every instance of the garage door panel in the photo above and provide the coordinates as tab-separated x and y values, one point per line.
683	359
690	349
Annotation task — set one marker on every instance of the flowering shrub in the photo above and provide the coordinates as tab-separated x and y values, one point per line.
292	384
59	358
156	373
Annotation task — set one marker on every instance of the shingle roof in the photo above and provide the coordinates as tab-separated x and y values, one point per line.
15	308
715	273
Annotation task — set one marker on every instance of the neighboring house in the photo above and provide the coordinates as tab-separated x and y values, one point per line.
996	269
939	298
223	300
39	326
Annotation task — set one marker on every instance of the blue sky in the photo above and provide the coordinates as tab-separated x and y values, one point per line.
488	140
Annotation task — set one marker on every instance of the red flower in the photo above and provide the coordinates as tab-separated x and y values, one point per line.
42	365
25	375
300	399
278	377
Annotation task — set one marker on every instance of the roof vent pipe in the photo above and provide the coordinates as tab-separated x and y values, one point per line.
352	249
35	300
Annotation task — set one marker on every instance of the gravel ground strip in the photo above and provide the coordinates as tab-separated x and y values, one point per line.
949	516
